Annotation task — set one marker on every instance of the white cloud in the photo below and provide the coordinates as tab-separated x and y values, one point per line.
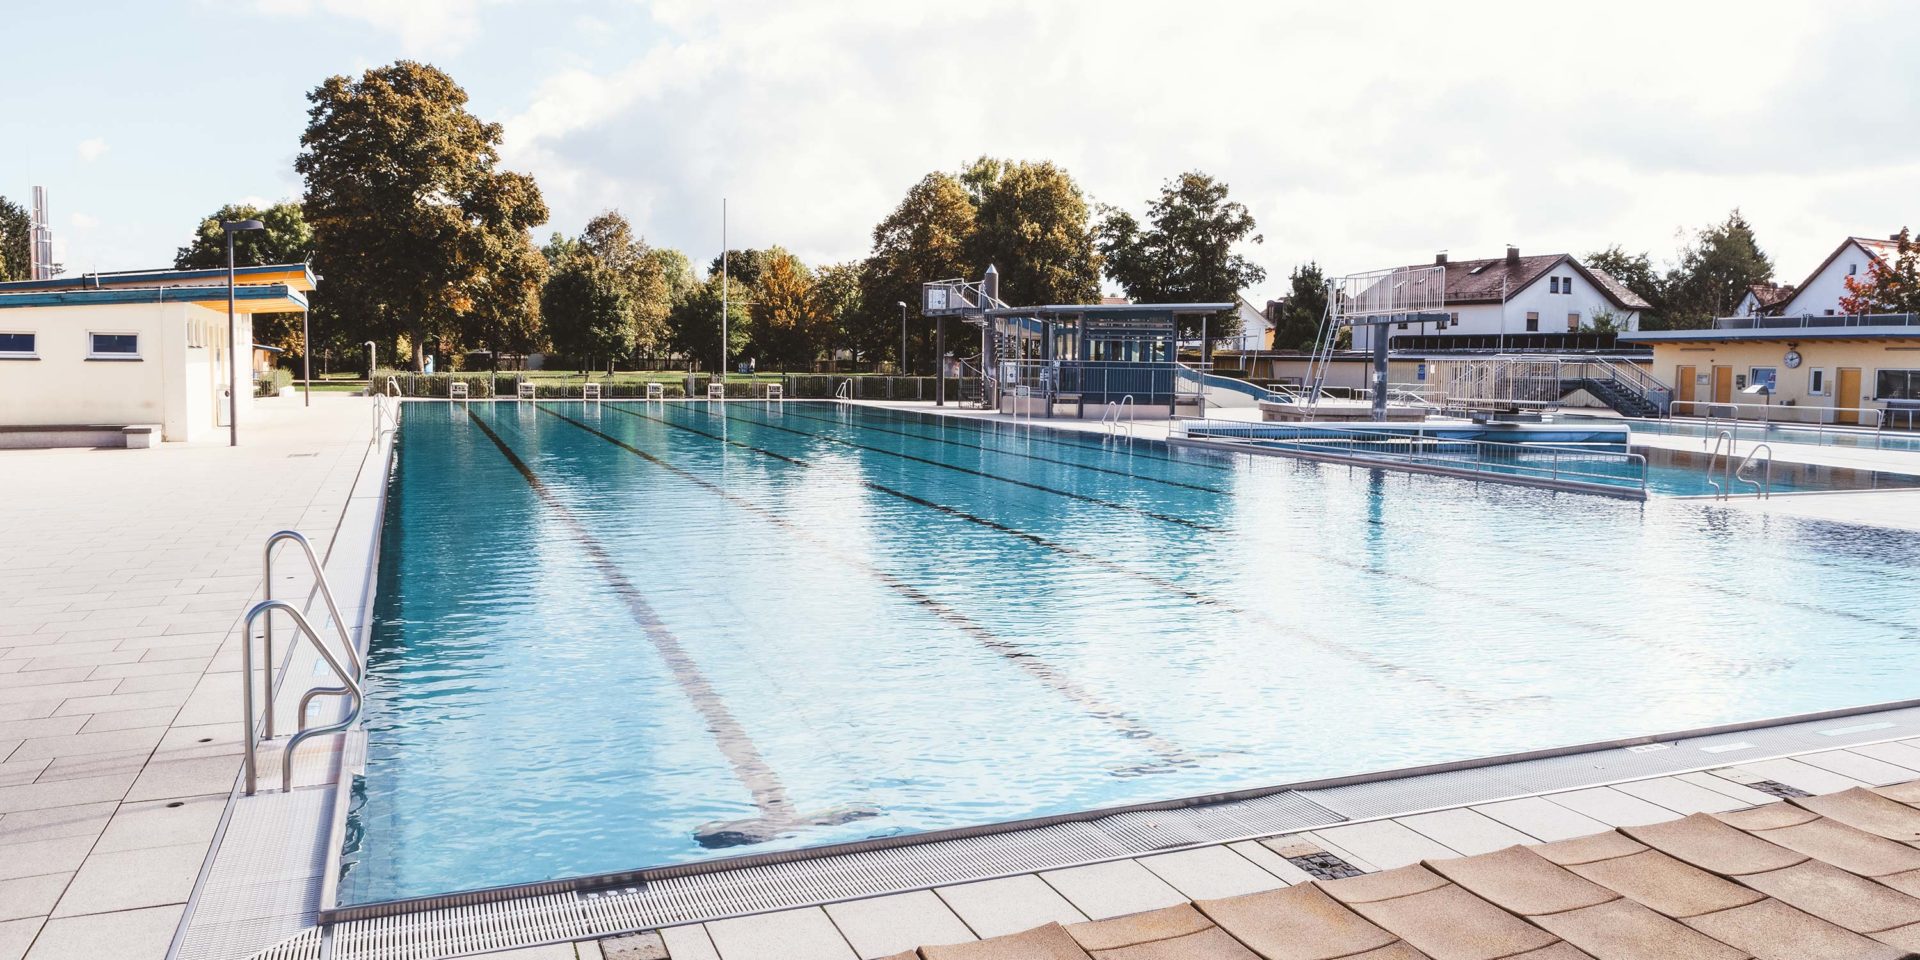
83	221
423	27
1358	137
91	149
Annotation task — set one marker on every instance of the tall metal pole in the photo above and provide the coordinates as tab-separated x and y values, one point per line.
903	337
1379	333
233	356
723	290
940	361
306	353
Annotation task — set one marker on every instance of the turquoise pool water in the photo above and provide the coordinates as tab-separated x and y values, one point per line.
616	637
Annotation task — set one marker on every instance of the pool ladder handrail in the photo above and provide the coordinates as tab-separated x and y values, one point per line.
1763	488
1110	417
844	389
350	676
1720	490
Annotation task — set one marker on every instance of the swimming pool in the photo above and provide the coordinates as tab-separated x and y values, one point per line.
620	636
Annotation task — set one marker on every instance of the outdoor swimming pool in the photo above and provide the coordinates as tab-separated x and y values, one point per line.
620	636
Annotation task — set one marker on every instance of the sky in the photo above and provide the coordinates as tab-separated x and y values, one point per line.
1359	135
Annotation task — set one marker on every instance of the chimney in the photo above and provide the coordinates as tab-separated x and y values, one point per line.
1440	259
1513	254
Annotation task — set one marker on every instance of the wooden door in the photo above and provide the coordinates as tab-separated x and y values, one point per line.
1722	384
1683	389
1846	393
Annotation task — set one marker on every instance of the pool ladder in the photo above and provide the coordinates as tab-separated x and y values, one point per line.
1110	417
1762	488
350	673
1730	473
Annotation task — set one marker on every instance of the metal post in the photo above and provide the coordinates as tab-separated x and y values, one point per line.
306	353
233	356
903	337
940	360
722	372
1379	372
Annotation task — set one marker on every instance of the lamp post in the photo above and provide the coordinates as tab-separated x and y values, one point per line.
369	368
231	227
903	336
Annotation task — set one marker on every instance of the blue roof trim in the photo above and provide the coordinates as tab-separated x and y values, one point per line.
61	298
90	281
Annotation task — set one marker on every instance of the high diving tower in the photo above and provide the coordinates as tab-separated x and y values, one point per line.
1380	299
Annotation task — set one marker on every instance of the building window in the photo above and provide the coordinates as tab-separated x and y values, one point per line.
1573	323
1853	269
114	346
1897	385
1765	375
17	346
1533	322
1816	383
1553	284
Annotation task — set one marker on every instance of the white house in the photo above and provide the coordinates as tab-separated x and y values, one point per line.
1516	295
1761	299
99	352
1256	328
1819	295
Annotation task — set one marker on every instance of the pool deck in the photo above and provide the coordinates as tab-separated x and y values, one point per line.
125	574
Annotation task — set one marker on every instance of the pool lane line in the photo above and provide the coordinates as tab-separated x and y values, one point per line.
1332	647
1078	465
1730	667
1170	754
776	810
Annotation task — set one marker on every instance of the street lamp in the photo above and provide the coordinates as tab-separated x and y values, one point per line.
903	336
231	227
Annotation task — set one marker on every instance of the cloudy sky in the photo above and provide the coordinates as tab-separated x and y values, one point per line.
1360	134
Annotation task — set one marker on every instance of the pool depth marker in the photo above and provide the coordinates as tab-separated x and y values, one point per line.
777	814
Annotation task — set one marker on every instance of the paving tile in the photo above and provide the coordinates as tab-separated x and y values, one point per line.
37	796
23	897
995	907
18	730
1465	831
1772	930
92	765
880	926
163	823
17	935
129	719
1859	766
1611	807
16	772
191	777
1868	811
1050	942
1105	890
1385	843
117	741
53	823
1745	794
805	934
551	951
1793	773
123	701
1905	753
1210	873
1270	861
1542	818
1680	796
37	857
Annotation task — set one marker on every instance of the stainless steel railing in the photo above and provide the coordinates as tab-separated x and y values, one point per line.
350	684
1720	489
1763	488
325	590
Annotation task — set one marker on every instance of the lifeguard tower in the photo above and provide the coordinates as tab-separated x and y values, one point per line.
1036	360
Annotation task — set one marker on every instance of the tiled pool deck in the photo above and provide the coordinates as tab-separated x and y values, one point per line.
123	576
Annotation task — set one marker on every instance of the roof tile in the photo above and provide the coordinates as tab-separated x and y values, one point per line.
1767	816
1520	880
1297	923
1665	884
1849	849
1451	924
1051	942
1209	944
1386	885
1771	930
1624	930
1139	927
1834	895
1600	846
1868	811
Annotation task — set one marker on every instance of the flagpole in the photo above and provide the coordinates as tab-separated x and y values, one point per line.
723	290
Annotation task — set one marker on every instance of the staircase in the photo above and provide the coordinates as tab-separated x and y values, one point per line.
1618	397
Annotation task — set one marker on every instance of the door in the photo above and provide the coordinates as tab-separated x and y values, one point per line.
1683	388
1846	395
1722	384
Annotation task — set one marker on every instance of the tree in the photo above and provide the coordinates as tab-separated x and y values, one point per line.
1888	287
788	327
1031	223
836	298
286	239
413	224
1637	273
1186	255
1713	273
610	239
1298	324
16	241
694	323
925	238
586	309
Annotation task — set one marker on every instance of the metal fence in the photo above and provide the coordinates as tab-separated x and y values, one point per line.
1808	321
1388	292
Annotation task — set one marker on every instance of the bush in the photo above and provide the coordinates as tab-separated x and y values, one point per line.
271	383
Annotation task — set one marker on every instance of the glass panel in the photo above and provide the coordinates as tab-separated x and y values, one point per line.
1897	385
119	344
16	343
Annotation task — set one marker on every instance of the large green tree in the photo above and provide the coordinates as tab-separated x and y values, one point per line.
413	222
610	239
693	325
927	237
789	329
1713	273
1186	251
585	308
286	239
16	239
1637	272
1031	222
1298	324
836	296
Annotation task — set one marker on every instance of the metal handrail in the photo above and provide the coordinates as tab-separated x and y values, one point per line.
350	685
333	610
1713	456
393	386
1768	410
383	409
1764	488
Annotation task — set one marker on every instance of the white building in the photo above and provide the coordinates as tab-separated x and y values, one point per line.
1761	299
96	353
1820	294
1515	295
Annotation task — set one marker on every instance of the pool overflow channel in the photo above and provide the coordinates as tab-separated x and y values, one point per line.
775	809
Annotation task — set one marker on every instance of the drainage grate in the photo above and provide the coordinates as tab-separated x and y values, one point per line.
1326	866
1775	788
